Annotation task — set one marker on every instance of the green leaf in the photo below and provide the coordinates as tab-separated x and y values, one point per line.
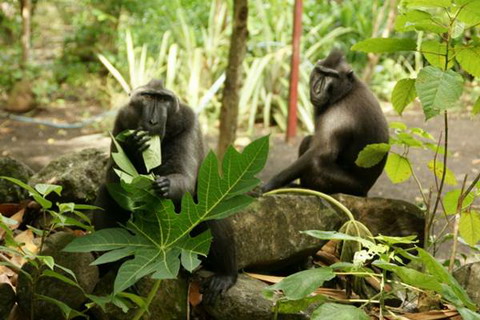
396	240
372	154
303	283
422	133
34	193
469	227
436	53
398	125
468	58
410	276
451	289
121	159
158	236
334	235
153	155
68	312
46	189
451	198
469	12
468	314
403	94
438	90
398	168
61	277
417	20
335	311
437	167
427	3
385	45
297	306
409	140
114	255
476	107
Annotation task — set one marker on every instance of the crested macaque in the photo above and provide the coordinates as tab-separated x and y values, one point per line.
154	110
347	117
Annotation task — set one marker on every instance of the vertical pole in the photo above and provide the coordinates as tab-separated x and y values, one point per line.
295	61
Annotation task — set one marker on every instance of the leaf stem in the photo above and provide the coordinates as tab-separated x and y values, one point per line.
318	194
151	295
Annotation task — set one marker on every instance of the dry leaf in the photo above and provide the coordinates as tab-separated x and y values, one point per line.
9	209
27	238
194	295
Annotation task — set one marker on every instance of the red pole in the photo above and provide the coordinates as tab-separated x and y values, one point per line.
293	93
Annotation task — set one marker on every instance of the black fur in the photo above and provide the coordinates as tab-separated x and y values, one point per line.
153	110
347	118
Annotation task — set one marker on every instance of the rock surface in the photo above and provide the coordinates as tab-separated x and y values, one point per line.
21	98
170	303
79	263
10	192
469	278
7	300
267	233
79	173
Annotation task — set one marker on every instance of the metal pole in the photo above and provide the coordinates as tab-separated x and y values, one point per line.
294	73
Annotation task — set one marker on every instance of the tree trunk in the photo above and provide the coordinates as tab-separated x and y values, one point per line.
230	99
26	11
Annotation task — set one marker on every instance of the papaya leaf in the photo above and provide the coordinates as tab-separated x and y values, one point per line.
121	159
469	227
381	45
153	155
438	90
158	236
372	154
403	94
337	311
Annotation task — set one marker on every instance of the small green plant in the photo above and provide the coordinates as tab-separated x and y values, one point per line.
54	217
156	236
442	27
385	253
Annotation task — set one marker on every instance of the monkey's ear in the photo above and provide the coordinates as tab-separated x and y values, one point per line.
350	74
176	103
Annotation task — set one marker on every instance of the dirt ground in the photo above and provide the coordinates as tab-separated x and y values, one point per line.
36	145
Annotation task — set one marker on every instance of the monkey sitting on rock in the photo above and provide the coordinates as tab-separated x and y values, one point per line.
154	110
348	117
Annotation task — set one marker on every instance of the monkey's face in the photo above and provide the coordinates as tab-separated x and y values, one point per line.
152	109
328	85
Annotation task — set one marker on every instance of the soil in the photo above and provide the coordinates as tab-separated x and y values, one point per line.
36	145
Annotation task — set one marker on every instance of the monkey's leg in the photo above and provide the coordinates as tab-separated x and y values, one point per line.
294	171
221	260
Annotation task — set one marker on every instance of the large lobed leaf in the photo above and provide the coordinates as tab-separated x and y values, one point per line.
158	237
438	90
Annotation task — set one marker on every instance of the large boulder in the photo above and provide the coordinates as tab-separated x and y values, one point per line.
267	233
79	173
170	302
21	98
78	263
10	192
469	278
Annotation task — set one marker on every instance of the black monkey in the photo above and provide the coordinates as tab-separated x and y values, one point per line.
154	110
347	118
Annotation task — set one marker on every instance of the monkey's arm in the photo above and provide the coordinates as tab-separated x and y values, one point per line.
292	172
178	173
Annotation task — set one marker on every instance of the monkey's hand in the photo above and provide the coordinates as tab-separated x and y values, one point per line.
161	186
138	141
216	285
269	186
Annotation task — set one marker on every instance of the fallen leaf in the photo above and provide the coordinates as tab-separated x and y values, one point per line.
194	295
27	238
9	209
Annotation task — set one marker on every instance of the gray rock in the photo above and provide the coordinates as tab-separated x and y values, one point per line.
469	278
10	192
170	303
79	263
267	233
389	217
79	173
245	301
7	301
